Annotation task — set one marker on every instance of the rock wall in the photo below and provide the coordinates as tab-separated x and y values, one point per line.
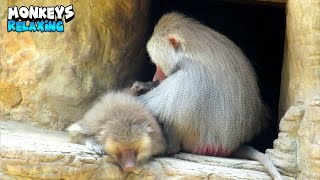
297	149
49	79
300	80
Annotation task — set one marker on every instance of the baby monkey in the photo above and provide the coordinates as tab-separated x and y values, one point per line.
120	126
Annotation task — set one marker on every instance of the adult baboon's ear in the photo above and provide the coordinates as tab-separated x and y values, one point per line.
174	42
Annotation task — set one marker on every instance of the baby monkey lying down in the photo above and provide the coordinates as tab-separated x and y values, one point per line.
120	126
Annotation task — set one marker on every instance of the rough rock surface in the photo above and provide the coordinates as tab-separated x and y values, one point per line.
300	81
49	79
297	149
31	153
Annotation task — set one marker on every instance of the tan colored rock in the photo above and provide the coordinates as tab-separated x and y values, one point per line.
50	79
10	96
297	150
301	66
31	153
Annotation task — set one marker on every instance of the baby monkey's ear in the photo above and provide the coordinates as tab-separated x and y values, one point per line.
145	127
174	41
149	129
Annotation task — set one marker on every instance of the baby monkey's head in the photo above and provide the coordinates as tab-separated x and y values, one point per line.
131	136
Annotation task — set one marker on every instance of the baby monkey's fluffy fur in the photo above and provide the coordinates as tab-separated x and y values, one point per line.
124	129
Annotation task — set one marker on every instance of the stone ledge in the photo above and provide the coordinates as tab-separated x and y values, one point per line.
33	153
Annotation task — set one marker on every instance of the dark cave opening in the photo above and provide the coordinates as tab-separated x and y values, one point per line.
257	28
